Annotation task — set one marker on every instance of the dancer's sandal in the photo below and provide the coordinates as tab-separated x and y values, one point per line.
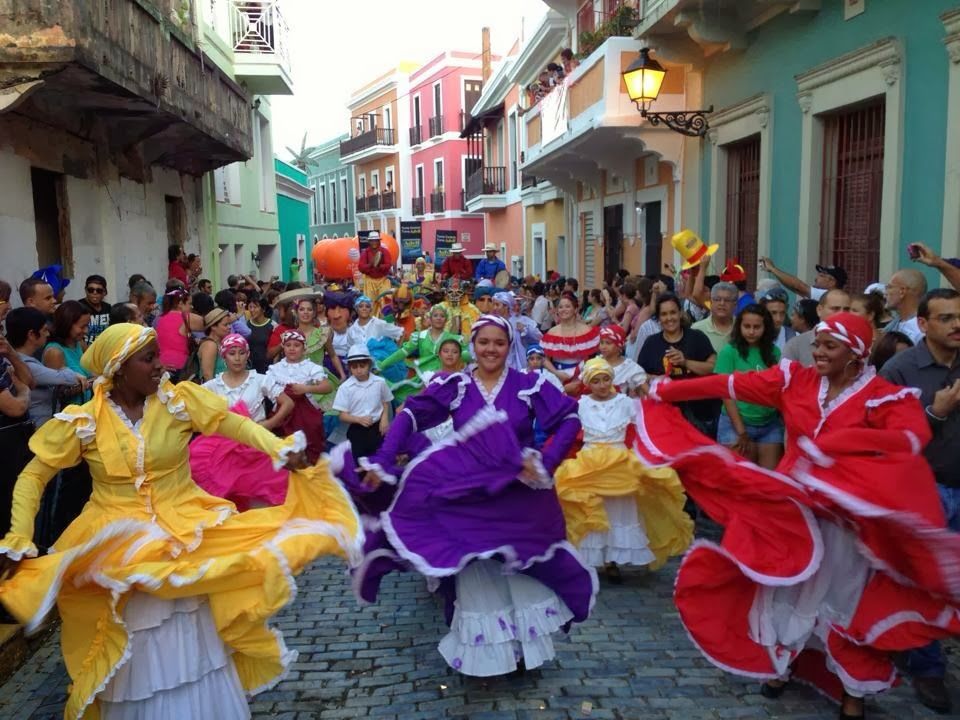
772	690
844	715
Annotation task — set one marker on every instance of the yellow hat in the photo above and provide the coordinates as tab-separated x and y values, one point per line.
595	367
691	248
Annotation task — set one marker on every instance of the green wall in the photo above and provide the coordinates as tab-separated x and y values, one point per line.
791	44
293	215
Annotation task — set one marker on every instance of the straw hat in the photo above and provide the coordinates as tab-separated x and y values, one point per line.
213	317
691	248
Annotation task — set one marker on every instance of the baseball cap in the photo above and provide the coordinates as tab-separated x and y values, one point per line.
834	271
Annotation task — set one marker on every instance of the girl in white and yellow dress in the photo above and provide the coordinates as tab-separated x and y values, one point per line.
617	510
164	591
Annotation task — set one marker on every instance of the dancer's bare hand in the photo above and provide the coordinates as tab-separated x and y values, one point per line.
7	567
297	461
371	480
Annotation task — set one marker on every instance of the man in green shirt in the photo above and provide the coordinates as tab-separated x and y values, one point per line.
719	323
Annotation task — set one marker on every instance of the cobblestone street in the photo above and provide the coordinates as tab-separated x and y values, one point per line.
632	659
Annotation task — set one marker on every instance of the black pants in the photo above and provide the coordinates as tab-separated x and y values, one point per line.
14	439
364	441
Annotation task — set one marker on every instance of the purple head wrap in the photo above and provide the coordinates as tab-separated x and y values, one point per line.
488	320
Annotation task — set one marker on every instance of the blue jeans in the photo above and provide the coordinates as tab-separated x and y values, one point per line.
928	662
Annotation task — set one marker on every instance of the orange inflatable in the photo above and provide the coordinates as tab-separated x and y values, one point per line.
337	259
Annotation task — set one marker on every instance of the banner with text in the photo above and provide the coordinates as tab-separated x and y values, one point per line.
445	241
411	241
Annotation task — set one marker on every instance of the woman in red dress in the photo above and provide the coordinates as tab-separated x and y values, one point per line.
569	342
837	558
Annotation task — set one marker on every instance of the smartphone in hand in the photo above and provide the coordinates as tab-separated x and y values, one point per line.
913	251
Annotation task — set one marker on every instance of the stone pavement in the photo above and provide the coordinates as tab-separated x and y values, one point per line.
631	660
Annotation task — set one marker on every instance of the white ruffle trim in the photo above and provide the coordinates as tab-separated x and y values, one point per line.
84	425
18	555
526	394
177	409
543	479
462	381
378	469
298	445
624	545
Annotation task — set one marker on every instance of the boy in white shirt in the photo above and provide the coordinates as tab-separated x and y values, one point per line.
363	402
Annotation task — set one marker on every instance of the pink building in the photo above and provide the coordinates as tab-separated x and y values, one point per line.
441	95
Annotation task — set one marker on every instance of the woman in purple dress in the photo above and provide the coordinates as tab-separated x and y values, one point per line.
478	513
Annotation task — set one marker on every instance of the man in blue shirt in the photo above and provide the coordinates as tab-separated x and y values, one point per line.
488	268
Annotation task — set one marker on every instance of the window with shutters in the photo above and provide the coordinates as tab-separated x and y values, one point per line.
852	191
743	204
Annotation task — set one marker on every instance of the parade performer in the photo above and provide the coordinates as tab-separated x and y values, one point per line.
164	592
318	336
404	310
843	547
618	511
372	328
425	344
628	376
229	469
345	334
570	341
478	511
363	402
375	263
461	312
525	330
303	381
422	274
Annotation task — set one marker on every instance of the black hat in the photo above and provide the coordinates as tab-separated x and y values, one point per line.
834	271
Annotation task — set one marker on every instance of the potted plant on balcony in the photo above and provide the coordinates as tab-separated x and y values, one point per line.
620	23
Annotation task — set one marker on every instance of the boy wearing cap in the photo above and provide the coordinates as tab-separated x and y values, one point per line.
363	402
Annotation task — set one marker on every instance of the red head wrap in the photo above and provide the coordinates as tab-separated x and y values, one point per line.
852	330
615	334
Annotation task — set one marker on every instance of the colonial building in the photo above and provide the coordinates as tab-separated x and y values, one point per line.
294	198
332	182
834	138
107	128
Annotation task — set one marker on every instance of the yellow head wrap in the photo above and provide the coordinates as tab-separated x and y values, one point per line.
595	367
112	348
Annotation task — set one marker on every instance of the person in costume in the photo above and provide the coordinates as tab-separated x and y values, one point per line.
229	469
628	376
164	592
461	313
618	511
425	344
422	274
570	341
492	532
835	560
375	265
525	330
370	327
302	380
345	334
363	402
483	298
403	310
535	364
318	345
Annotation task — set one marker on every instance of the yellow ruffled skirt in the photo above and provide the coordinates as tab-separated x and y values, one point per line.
601	472
244	567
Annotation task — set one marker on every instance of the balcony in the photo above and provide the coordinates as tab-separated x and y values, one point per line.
436	126
419	204
133	68
260	40
486	189
527	181
587	128
377	201
437	202
465	119
684	32
369	145
416	133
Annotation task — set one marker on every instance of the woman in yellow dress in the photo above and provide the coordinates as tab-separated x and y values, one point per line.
164	591
618	511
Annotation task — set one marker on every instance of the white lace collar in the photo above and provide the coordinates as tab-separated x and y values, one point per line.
490	397
246	381
134	427
826	408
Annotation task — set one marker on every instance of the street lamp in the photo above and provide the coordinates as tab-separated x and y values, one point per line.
643	79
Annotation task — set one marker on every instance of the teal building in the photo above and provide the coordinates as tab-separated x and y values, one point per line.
835	136
332	184
293	218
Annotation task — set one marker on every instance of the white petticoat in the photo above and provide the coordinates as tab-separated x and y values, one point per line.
178	665
500	619
625	543
800	615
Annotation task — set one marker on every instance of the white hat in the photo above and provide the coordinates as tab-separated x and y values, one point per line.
374	235
456	247
485	283
358	351
490	247
878	287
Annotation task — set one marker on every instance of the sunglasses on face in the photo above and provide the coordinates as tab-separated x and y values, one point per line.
96	290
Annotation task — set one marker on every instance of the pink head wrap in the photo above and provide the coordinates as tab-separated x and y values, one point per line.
850	329
231	341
